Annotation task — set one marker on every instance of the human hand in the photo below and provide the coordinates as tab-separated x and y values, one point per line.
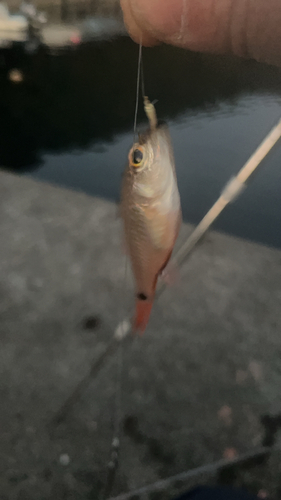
248	28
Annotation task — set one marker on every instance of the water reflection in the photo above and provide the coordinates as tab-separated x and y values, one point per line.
71	123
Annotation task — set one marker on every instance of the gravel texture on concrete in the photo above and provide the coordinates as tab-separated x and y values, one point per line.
202	383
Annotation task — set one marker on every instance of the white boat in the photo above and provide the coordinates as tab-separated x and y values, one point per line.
59	36
13	27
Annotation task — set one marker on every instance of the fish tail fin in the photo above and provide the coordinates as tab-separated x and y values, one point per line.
143	310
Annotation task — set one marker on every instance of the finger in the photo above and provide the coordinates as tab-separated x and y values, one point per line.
137	33
249	28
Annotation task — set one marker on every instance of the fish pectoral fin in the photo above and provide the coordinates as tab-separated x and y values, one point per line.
161	229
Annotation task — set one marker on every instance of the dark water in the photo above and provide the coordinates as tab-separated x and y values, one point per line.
70	123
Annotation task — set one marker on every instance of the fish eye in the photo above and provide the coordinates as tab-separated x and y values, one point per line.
137	157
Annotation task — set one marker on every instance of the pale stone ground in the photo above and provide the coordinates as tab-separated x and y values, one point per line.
195	385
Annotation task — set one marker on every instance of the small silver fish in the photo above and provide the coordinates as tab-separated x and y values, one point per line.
150	209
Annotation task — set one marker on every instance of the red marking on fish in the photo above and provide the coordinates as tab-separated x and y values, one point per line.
143	310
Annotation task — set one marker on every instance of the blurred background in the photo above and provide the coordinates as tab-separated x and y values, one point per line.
203	383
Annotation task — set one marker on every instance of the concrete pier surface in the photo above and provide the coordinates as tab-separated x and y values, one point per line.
204	381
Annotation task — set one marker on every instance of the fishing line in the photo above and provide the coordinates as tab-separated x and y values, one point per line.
137	89
113	463
115	445
142	80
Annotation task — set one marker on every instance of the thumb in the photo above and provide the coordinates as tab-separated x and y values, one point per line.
248	28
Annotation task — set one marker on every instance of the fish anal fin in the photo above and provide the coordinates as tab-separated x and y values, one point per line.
170	274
